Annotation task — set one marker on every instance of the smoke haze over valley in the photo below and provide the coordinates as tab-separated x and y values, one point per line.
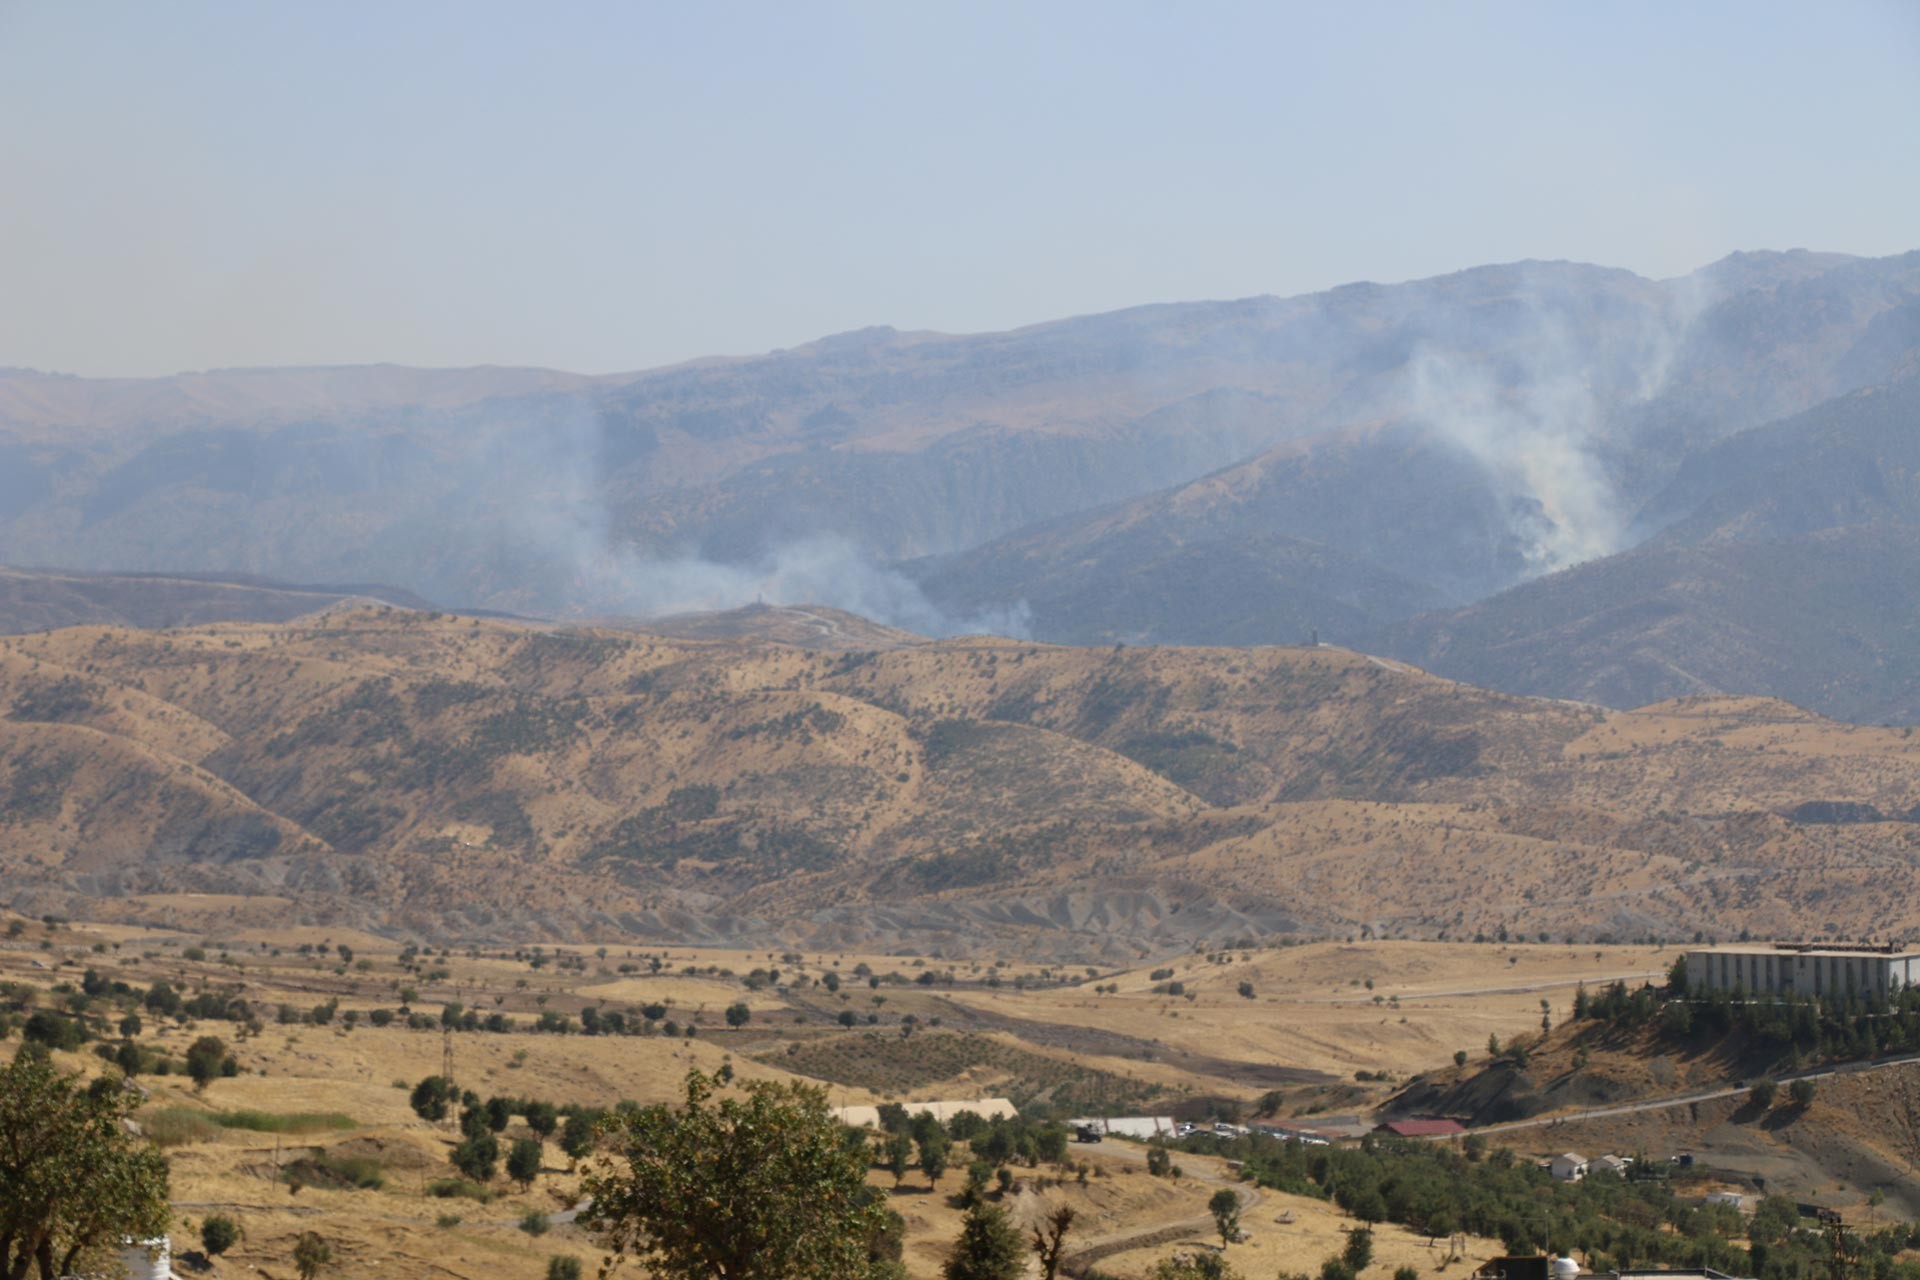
1243	472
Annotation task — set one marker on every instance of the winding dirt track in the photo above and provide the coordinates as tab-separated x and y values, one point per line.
1203	1169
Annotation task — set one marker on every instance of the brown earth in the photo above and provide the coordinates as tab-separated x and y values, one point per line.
457	778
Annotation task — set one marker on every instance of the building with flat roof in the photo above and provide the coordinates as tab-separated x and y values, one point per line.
1835	972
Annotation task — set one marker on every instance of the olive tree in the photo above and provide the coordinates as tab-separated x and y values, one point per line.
747	1184
73	1181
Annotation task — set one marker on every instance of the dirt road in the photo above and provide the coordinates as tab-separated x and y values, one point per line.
1206	1170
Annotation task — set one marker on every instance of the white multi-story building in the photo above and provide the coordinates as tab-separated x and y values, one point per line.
1833	972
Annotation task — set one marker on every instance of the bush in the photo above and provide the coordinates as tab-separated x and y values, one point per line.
523	1161
218	1234
477	1155
563	1268
178	1126
431	1098
1763	1092
458	1189
534	1223
284	1122
1800	1093
343	1173
310	1254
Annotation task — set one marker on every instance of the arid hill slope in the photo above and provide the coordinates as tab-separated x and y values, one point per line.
47	600
457	777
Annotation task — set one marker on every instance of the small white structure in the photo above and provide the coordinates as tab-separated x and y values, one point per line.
1568	1166
943	1111
1730	1199
1617	1165
1141	1127
148	1259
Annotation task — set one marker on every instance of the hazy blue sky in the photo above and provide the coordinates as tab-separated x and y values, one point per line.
604	187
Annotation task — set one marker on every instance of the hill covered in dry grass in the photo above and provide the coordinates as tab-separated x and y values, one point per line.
462	778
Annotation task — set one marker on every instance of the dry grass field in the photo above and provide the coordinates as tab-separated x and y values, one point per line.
1319	1019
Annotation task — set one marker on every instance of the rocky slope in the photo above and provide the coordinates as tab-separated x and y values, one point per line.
460	778
1783	560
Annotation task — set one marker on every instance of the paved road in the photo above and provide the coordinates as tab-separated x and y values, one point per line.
1688	1099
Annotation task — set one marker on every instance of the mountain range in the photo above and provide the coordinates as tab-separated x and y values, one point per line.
1545	477
793	777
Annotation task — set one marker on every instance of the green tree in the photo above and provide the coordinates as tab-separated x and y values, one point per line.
310	1254
1763	1092
543	1118
1159	1163
754	1184
476	1155
738	1015
896	1155
207	1061
563	1268
936	1149
988	1247
523	1161
431	1098
1359	1248
1800	1093
73	1182
576	1135
1225	1208
218	1233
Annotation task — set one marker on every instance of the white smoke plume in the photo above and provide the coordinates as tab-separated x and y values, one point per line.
1533	409
561	519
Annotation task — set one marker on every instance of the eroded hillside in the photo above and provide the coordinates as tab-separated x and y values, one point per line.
454	777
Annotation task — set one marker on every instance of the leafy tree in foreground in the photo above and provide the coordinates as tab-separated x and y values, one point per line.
72	1180
988	1248
757	1185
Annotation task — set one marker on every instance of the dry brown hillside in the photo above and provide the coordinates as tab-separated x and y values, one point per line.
459	778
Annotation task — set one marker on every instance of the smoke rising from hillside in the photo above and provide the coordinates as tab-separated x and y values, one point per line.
1533	409
570	526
